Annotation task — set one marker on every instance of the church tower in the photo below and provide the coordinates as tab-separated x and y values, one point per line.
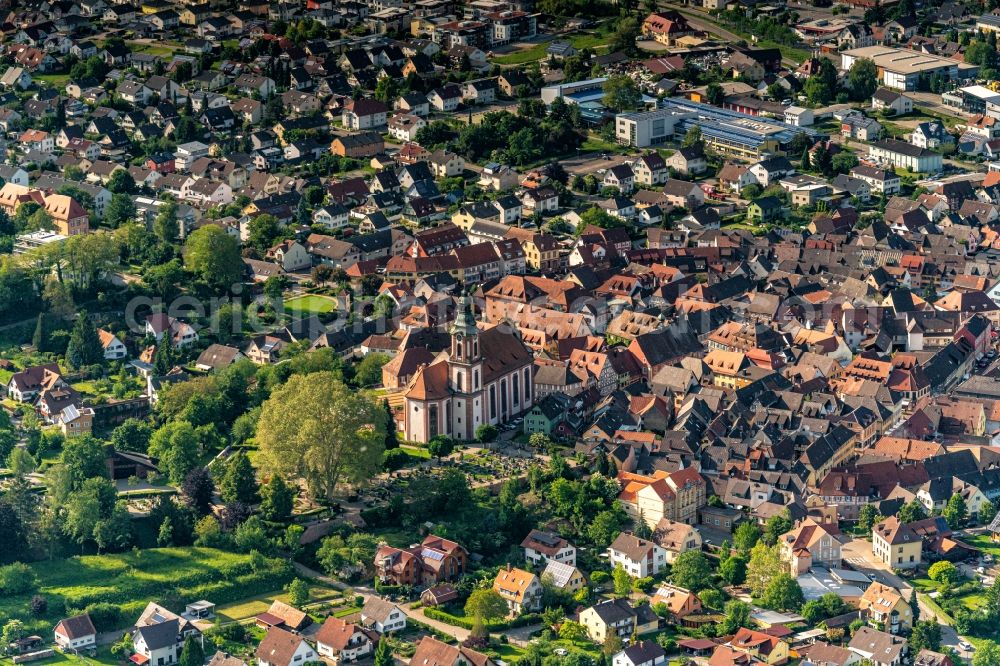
465	375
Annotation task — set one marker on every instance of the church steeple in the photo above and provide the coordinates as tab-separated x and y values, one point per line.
464	334
465	321
466	363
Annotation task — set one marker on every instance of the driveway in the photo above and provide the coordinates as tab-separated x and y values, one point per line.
365	591
858	554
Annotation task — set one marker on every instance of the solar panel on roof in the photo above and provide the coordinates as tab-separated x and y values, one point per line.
428	554
546	539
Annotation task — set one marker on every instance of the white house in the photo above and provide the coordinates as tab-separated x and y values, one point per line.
75	633
639	557
342	641
404	126
283	648
771	170
290	255
445	164
333	216
932	134
643	653
382	616
540	547
446	98
182	334
160	643
362	114
905	156
114	349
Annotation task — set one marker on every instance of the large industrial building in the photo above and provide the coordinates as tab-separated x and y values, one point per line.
723	131
902	69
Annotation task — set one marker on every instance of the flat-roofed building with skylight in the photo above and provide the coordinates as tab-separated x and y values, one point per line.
902	69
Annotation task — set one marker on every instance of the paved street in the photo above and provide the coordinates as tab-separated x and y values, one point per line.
858	554
588	163
366	591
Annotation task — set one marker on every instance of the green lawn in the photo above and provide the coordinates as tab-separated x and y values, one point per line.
242	610
54	80
311	304
522	56
790	52
130	580
974	601
592	41
103	657
417	451
344	612
984	543
159	49
5	376
595	144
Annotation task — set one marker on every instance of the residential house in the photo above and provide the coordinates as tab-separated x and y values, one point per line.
114	349
618	617
683	194
809	544
564	577
689	161
364	114
650	169
673	495
522	590
432	652
643	653
284	648
676	538
765	209
878	647
338	640
896	544
931	134
639	557
382	615
860	127
885	99
887	609
540	547
765	647
76	633
435	560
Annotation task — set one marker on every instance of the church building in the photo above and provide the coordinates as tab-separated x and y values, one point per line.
484	378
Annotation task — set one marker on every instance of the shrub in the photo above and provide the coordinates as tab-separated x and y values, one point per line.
599	577
39	605
235	632
643	584
17	578
105	616
395	459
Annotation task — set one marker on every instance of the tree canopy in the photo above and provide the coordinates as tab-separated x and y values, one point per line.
317	428
214	256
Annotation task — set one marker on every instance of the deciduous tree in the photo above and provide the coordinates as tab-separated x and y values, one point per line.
486	605
691	571
317	428
214	256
